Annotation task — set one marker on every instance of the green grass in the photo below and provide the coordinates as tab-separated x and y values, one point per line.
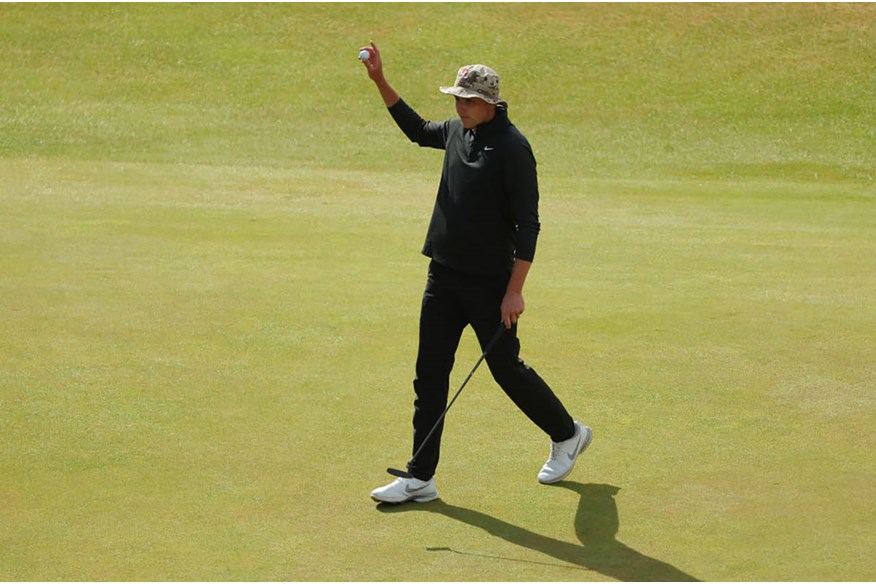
210	280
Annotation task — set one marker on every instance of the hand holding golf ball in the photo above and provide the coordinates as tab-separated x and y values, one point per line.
370	59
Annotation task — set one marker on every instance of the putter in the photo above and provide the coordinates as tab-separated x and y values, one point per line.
406	475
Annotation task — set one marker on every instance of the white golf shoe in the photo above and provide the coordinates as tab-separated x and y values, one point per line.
563	455
402	490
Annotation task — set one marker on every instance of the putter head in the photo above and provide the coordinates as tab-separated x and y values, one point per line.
399	473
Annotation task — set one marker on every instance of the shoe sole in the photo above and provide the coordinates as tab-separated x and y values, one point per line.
583	446
415	499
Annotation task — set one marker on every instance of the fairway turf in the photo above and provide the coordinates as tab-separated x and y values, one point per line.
210	281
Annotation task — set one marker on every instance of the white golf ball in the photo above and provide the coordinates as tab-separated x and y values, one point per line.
364	55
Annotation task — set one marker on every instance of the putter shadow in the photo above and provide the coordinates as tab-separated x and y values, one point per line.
596	525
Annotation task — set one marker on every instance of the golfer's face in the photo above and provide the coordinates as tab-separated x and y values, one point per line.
473	111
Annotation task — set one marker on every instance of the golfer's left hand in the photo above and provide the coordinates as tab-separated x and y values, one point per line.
512	307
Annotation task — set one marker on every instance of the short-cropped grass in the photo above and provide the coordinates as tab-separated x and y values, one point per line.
210	281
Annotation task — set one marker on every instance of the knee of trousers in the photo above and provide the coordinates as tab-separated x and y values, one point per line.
430	392
508	369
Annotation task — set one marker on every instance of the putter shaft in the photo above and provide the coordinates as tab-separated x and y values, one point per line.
493	341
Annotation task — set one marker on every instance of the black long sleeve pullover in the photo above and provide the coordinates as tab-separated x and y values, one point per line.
486	210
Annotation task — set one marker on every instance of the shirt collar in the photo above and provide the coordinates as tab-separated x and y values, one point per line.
500	120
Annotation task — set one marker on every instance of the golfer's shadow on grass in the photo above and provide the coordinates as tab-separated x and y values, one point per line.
596	525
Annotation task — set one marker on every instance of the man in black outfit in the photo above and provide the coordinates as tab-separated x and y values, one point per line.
481	241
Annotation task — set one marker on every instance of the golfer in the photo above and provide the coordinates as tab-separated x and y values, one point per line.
481	241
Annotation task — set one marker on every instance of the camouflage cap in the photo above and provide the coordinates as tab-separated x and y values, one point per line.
476	81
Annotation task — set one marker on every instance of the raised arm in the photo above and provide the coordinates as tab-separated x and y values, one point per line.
374	66
417	129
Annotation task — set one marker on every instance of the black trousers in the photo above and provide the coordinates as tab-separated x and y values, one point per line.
452	301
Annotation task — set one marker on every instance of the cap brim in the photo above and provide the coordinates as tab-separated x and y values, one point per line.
468	93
